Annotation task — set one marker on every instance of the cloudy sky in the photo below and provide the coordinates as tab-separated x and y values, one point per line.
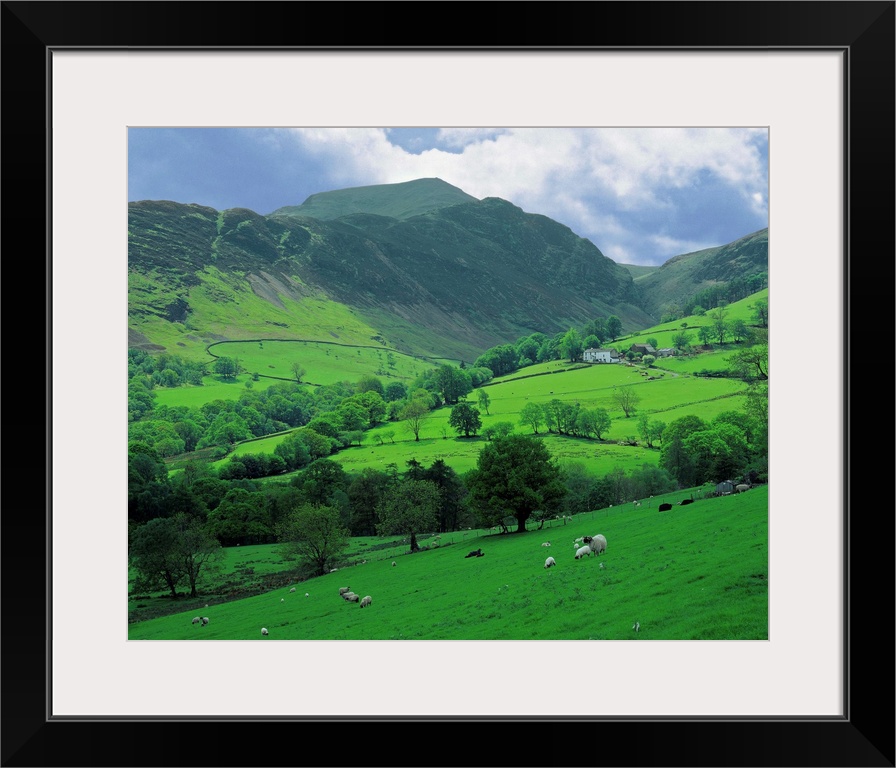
641	195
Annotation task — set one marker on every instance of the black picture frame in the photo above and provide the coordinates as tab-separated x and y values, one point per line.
864	736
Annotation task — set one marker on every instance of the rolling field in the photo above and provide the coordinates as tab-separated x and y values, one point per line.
664	399
698	572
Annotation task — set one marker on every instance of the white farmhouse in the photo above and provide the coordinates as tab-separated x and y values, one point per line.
594	355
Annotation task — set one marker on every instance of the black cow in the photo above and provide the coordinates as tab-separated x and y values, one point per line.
683	502
665	507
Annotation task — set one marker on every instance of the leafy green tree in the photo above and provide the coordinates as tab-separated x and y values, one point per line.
414	414
322	480
648	360
705	333
571	346
226	367
452	494
593	422
370	383
532	415
365	492
395	391
751	363
514	475
298	371
614	327
149	489
465	419
497	429
626	399
152	554
410	508
739	330
314	535
453	383
197	549
760	313
719	321
682	341
484	400
650	431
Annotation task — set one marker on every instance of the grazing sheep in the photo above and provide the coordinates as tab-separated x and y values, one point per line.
282	599
742	487
546	544
583	552
197	620
306	594
598	544
343	590
204	620
264	630
549	562
366	600
292	590
393	563
352	597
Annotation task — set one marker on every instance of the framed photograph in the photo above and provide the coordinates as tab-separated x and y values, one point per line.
817	77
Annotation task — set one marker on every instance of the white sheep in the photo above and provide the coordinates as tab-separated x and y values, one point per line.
292	590
197	620
549	562
306	594
598	544
393	563
204	620
583	552
366	600
546	544
282	599
264	630
352	597
343	590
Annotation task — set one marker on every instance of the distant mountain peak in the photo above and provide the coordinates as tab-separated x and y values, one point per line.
401	200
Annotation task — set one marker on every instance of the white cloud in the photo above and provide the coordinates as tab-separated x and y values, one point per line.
586	178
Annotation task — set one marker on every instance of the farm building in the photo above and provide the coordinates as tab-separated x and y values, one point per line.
666	352
724	488
643	349
594	355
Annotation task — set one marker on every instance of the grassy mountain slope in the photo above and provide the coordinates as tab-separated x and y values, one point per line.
683	276
450	282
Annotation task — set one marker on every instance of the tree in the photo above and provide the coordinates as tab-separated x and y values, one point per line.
593	421
750	364
760	313
532	415
719	316
465	419
168	550
682	341
453	383
195	548
705	334
314	535
484	400
614	326
414	414
410	508
514	475
226	367
571	345
626	399
152	555
649	430
298	372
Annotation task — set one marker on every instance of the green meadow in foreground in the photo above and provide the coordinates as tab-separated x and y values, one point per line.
695	572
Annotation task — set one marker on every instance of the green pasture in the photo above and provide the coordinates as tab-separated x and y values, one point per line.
213	388
665	332
683	365
698	572
665	399
324	363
